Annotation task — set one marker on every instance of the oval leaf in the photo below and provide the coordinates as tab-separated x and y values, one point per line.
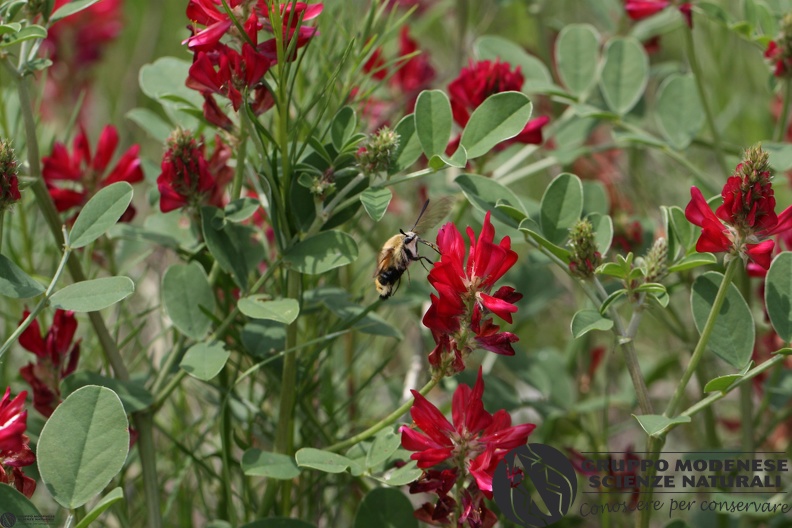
485	194
205	360
83	445
258	463
386	508
656	424
70	8
733	336
778	295
562	205
93	295
403	475
323	252
100	213
499	117
585	321
409	149
577	57
342	127
624	74
433	121
322	460
693	261
15	283
134	396
375	202
385	444
260	307
188	298
241	209
108	500
679	112
17	504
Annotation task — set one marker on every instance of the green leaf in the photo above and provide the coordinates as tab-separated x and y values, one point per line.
323	252
115	495
433	121
150	122
83	445
595	198
722	383
260	307
402	476
70	8
187	297
780	155
342	127
612	298
385	444
15	283
733	336
529	227
679	112
26	33
562	205
93	295
322	460
491	47
205	360
458	159
778	295
133	395
409	149
241	209
603	231
100	213
499	117
375	201
385	508
230	244
693	261
577	57
585	321
485	193
165	77
258	463
624	73
25	513
683	230
657	424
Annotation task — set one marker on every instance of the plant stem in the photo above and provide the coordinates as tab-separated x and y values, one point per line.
781	126
701	346
385	422
696	69
43	302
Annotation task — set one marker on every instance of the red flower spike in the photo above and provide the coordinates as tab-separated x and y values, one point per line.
745	221
57	355
485	78
640	9
476	440
90	171
459	314
15	452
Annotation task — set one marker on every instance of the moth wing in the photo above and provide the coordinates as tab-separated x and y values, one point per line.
433	214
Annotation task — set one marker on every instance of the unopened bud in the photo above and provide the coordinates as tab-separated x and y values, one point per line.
754	167
378	152
9	181
655	261
585	257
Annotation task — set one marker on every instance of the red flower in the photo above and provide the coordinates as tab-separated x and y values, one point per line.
485	78
88	171
187	178
475	442
216	22
78	40
742	225
782	63
56	358
15	452
415	74
640	9
463	298
293	15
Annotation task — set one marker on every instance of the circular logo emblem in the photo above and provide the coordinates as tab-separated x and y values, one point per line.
7	520
534	485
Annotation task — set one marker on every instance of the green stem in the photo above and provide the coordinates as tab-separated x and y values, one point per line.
781	126
654	446
284	435
701	346
746	414
382	424
44	300
696	69
148	460
239	173
2	221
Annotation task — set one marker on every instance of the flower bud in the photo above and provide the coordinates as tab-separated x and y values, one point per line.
378	152
585	257
9	183
654	263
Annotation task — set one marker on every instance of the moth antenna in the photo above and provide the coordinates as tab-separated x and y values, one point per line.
423	210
